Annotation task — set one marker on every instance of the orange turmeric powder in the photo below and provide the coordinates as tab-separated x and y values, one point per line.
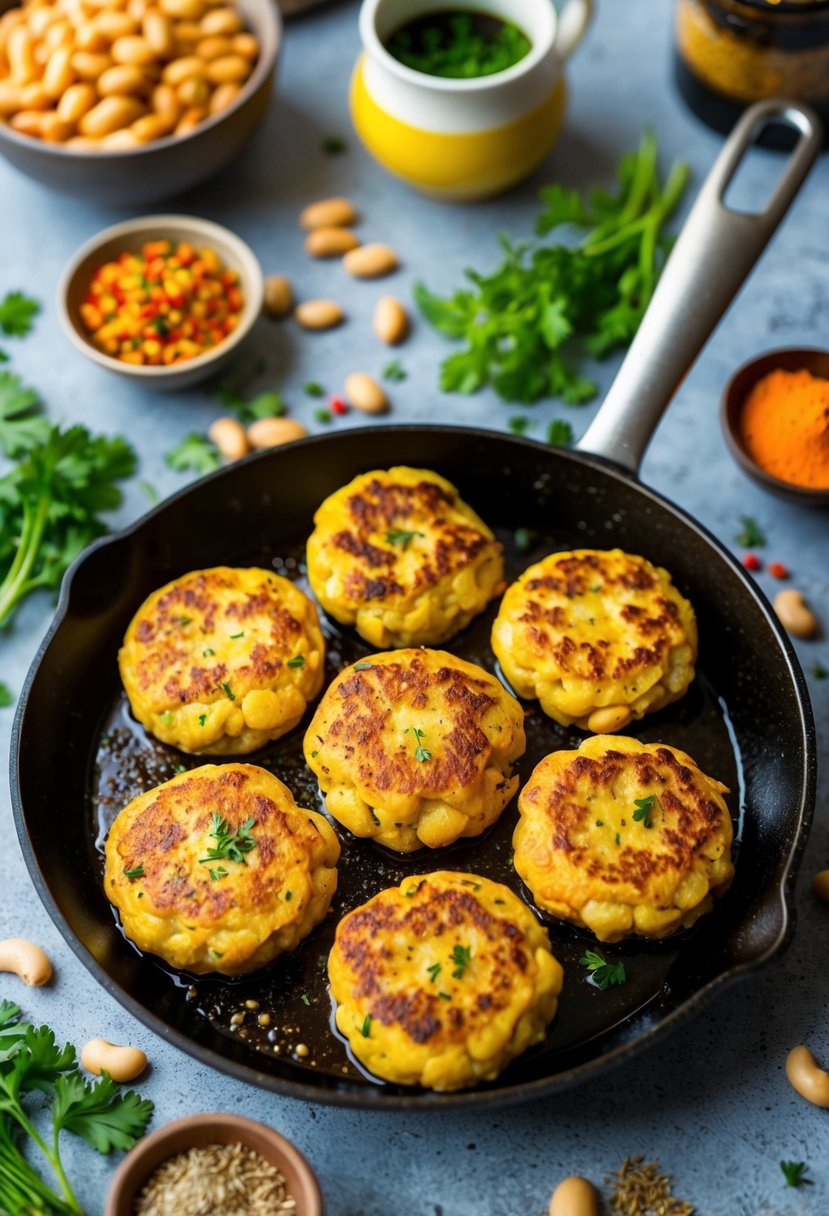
785	427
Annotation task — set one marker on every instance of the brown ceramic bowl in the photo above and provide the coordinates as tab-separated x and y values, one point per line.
164	167
734	396
197	1131
130	236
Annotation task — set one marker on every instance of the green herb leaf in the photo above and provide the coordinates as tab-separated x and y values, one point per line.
461	956
445	996
519	424
323	416
365	1029
17	313
195	453
525	324
235	636
560	433
434	971
363	666
604	974
819	671
263	405
333	145
399	536
135	872
228	691
202	719
794	1171
6	696
151	492
306	1000
422	754
22	426
297	661
644	809
289	895
100	1112
394	372
230	845
208	653
313	389
218	874
751	535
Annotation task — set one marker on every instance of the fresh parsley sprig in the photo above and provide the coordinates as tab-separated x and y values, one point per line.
32	1064
794	1173
603	974
520	322
644	809
422	754
230	845
399	536
461	956
17	313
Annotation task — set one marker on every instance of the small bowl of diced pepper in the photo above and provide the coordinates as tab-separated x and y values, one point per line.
166	299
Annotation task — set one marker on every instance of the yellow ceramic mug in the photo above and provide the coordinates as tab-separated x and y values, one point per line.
469	138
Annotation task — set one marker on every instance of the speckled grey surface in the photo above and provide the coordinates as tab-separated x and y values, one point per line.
712	1103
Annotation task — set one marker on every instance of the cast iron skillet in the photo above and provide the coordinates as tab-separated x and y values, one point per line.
77	757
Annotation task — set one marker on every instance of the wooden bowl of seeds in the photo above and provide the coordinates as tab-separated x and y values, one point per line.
214	1163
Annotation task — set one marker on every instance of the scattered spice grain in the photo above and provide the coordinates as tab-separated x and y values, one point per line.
230	1179
641	1189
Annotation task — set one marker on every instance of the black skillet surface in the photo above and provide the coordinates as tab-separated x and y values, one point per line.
78	757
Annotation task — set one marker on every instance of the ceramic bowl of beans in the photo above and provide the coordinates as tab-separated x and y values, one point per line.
166	300
132	101
190	1165
774	419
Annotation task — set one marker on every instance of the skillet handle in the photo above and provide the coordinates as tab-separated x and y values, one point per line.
714	253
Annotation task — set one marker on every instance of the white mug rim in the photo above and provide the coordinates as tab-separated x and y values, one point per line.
539	50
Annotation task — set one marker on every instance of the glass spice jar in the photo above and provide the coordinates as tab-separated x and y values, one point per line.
730	53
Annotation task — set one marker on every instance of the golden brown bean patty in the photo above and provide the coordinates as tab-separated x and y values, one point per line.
222	661
623	837
398	554
442	981
204	913
599	637
416	747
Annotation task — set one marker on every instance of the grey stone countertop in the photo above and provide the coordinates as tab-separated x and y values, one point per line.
711	1102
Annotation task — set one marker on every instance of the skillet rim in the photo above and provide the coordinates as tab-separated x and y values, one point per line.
378	1099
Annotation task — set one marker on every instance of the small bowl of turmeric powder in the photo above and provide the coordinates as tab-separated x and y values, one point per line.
775	417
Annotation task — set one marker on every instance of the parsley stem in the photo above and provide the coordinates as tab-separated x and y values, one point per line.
13	586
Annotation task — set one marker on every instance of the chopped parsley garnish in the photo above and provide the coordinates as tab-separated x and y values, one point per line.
306	1000
6	696
268	404
314	754
179	768
519	424
500	901
313	389
365	1029
445	996
217	953
166	718
184	620
297	661
135	872
421	753
644	810
523	539
333	145
363	666
599	823
230	845
819	671
208	653
234	636
228	691
289	895
149	489
17	313
434	971
219	873
794	1171
322	416
467	882
461	956
751	535
202	719
618	838
603	973
399	536
374	816
560	433
22	426
394	372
